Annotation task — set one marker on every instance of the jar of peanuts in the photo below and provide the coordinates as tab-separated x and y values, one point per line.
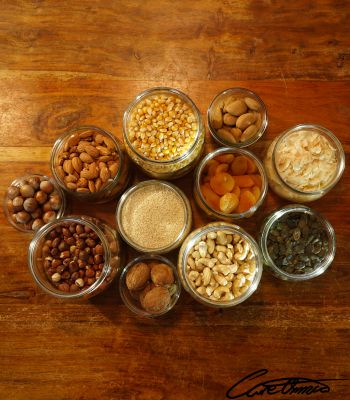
163	132
89	163
74	257
304	162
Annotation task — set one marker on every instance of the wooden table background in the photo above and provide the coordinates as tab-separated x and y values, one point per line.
66	63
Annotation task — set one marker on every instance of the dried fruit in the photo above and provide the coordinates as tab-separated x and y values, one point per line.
156	300
228	203
162	274
137	276
222	183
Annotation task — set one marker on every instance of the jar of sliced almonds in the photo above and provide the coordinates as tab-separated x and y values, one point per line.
163	132
89	163
304	162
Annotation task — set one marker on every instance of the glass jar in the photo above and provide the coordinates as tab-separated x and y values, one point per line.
278	178
111	252
209	209
51	205
133	303
161	165
78	184
273	219
195	237
144	225
231	139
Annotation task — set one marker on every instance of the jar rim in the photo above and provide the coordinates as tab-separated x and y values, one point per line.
58	145
142	258
274	217
221	226
257	136
160	183
230	150
333	141
147	93
16	182
45	284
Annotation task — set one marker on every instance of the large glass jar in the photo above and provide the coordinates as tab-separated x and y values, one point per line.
163	132
296	163
90	165
41	262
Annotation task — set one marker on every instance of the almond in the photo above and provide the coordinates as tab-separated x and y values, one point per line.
70	178
216	117
86	158
68	167
98	184
71	185
82	183
85	134
92	186
99	138
83	190
113	168
104	174
245	120
72	141
104	151
77	164
109	143
236	108
89	173
92	151
60	172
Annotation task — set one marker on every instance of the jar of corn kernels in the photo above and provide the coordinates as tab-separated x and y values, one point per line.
163	132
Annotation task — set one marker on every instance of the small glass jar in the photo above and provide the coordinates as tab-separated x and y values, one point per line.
51	205
188	246
276	177
206	207
78	184
161	165
111	251
132	302
231	139
273	219
144	226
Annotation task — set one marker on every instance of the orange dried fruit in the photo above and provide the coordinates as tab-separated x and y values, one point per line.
211	198
221	168
244	181
236	190
239	165
252	168
210	167
228	203
246	201
257	180
225	158
222	183
256	192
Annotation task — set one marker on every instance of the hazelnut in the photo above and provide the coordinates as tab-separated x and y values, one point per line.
10	207
64	287
156	300
34	182
47	207
37	213
40	197
17	203
37	224
23	217
55	202
73	288
137	276
27	191
47	187
49	216
162	274
12	192
56	277
79	282
30	204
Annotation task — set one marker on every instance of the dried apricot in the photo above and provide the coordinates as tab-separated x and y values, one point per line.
211	198
256	192
236	190
239	165
225	158
244	181
221	168
246	201
211	167
222	183
228	202
257	180
252	168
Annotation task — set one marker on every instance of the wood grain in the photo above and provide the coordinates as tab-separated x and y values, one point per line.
63	64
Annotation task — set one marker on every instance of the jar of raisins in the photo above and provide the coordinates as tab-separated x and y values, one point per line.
74	257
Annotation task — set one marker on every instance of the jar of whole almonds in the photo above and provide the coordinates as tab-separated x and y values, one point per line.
304	162
163	132
89	163
74	257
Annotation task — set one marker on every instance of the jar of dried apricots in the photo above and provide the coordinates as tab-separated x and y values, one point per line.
230	184
163	132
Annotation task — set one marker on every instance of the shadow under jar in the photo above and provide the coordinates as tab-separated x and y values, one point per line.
163	132
297	243
156	288
89	164
237	117
74	257
32	201
230	184
304	162
220	265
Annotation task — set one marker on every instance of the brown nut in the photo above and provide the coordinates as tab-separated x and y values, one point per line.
37	224
55	202
137	276
252	104
23	217
47	187
142	294
225	134
236	107
49	216
40	197
34	181
30	204
156	300
245	120
17	203
27	191
12	192
162	274
216	117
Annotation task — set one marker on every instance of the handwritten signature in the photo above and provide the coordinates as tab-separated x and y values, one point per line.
284	386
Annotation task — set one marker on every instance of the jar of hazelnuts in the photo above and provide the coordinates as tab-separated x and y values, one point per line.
74	257
32	201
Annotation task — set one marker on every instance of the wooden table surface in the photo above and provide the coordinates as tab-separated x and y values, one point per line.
66	63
